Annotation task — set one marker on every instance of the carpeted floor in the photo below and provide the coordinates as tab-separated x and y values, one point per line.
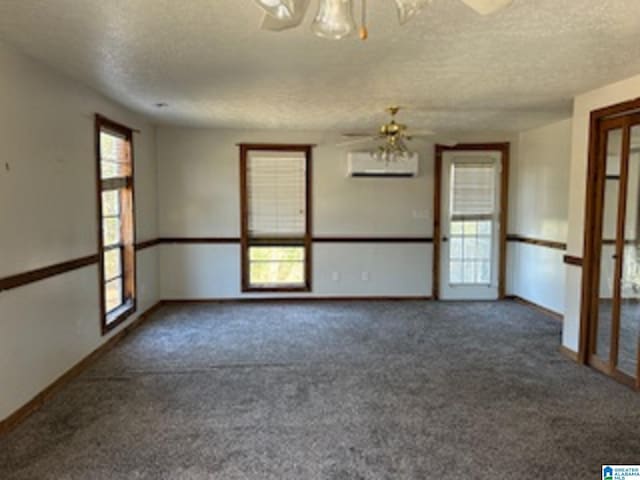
333	390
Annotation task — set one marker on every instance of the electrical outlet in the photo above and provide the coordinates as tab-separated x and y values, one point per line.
335	276
365	276
420	214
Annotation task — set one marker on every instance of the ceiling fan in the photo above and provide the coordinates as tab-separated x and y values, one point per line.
335	20
394	136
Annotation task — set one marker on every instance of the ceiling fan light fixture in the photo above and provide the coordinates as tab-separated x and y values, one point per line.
274	24
407	9
280	9
334	19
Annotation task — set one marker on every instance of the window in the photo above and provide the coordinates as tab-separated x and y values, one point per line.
276	237
116	242
473	199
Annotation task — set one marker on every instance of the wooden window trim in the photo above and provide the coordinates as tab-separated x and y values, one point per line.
111	320
246	242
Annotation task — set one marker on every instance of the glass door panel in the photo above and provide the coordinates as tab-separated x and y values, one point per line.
610	207
629	330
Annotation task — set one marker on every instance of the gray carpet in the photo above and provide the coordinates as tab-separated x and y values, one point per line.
306	391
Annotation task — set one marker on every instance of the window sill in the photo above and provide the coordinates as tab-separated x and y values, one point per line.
277	288
118	316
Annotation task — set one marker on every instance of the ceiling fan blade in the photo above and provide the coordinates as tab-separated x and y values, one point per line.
487	7
447	142
276	24
420	133
356	141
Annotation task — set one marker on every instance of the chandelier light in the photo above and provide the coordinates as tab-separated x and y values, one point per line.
335	18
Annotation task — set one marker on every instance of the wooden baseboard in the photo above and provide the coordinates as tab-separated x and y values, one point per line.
570	354
540	308
178	301
41	398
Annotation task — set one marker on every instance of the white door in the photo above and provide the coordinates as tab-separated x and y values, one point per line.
470	225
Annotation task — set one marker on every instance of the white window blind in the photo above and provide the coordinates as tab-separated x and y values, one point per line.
276	194
473	190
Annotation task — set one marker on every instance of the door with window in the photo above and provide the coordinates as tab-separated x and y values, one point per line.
470	225
615	311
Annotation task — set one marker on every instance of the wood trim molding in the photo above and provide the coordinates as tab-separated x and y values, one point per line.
571	260
245	238
372	240
198	240
32	276
147	244
547	311
302	298
537	241
502	147
570	354
45	395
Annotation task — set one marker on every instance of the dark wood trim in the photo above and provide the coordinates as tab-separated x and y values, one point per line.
147	244
278	147
32	276
373	240
301	298
336	239
547	311
568	353
537	241
504	149
128	227
437	225
572	260
46	394
504	219
199	240
245	241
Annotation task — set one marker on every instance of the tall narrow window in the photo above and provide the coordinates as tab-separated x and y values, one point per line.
116	240
276	237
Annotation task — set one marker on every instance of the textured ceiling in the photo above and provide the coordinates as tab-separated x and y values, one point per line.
456	70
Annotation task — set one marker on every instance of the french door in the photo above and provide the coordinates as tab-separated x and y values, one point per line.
614	327
470	225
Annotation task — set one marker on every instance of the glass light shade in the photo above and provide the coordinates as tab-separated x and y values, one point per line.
407	9
334	19
487	7
282	9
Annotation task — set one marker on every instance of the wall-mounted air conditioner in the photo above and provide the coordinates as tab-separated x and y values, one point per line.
364	164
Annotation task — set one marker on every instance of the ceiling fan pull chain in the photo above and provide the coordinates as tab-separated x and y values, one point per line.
364	32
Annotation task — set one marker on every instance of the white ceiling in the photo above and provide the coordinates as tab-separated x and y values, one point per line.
458	71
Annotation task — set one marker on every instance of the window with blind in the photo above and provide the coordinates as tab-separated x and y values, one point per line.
116	242
275	228
472	210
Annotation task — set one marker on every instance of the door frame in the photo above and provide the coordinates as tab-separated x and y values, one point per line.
504	149
600	119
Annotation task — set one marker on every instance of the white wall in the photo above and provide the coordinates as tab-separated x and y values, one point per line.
48	216
583	105
199	186
198	181
539	194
